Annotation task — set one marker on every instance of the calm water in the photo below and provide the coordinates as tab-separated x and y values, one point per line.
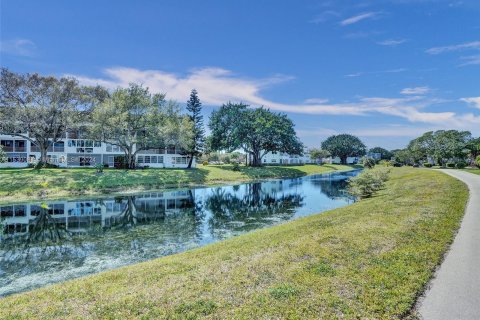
74	238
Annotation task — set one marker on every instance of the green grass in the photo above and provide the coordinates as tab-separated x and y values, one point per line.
370	260
472	170
25	184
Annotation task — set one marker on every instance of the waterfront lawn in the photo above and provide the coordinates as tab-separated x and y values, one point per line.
370	260
25	184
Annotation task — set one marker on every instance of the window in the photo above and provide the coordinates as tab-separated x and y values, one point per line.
147	159
80	150
180	160
140	159
274	160
89	143
72	143
160	159
109	147
153	159
97	144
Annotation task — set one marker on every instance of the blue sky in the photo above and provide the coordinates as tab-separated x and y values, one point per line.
385	70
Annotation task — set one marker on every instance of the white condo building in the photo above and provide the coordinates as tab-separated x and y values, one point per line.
282	158
73	151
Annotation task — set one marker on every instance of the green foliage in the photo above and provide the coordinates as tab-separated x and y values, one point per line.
368	163
368	182
385	154
132	118
3	155
197	143
205	163
236	167
344	146
450	165
256	131
385	163
427	165
319	154
461	165
441	145
477	161
99	167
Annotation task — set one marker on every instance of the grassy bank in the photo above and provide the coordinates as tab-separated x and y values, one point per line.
369	260
471	170
25	184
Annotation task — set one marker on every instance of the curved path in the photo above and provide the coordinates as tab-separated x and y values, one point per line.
454	293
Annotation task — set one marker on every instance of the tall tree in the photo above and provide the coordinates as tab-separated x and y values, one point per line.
39	109
256	131
134	120
344	146
196	146
440	146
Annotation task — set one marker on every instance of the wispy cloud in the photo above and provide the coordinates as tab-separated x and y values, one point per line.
359	17
325	16
217	86
457	47
358	74
416	90
392	42
18	47
473	101
469	60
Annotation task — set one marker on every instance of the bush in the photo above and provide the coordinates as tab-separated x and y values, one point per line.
427	165
477	161
99	167
236	167
450	165
368	163
368	182
461	165
205	163
385	163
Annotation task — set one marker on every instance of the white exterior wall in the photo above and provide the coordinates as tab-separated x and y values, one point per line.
279	158
98	153
350	160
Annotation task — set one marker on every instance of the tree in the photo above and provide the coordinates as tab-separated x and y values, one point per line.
440	146
385	154
473	148
45	107
256	131
3	155
135	120
319	154
344	146
197	144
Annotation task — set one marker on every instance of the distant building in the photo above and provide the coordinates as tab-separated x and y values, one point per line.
282	158
74	151
336	160
374	155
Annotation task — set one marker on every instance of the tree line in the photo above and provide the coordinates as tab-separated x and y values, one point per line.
134	119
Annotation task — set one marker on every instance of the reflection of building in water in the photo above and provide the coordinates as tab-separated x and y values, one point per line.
78	216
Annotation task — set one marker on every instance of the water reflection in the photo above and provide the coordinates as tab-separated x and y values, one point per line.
68	239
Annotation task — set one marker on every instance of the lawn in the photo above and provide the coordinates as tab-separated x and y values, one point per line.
25	184
370	260
472	170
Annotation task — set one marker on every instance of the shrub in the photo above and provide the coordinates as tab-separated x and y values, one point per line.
368	182
385	163
461	165
477	161
99	167
450	165
236	167
369	163
205	163
427	165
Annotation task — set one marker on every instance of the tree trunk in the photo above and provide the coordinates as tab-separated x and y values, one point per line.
343	159
190	162
256	160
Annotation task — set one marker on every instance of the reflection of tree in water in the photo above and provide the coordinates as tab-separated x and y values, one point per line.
231	213
333	188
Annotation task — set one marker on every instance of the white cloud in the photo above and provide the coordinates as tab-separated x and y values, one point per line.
19	47
358	18
392	42
325	16
457	47
474	101
469	60
217	86
416	90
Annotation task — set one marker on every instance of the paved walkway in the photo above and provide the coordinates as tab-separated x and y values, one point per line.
455	291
